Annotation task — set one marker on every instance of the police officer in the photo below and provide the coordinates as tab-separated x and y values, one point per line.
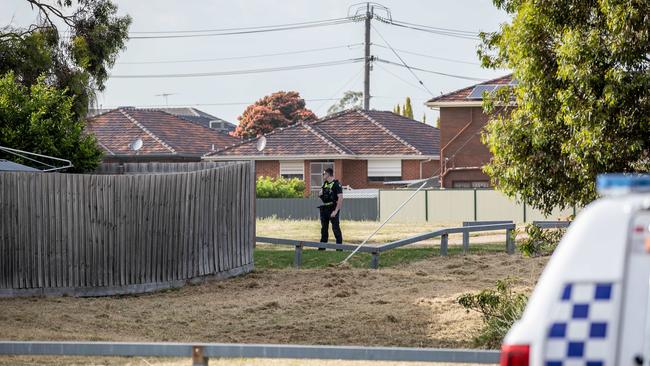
331	194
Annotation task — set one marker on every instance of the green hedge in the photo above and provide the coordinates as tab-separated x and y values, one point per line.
279	187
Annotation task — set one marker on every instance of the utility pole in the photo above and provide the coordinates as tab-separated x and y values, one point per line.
356	11
367	59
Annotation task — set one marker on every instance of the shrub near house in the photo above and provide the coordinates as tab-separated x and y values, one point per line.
268	187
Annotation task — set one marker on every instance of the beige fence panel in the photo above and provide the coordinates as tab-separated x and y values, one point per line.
493	205
414	211
532	214
450	206
90	235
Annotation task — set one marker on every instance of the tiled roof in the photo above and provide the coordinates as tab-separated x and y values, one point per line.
187	113
352	132
161	133
461	95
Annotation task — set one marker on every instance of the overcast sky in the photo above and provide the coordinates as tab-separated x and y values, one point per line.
227	96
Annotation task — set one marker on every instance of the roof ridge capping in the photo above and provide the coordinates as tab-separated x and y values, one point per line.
146	130
322	137
388	131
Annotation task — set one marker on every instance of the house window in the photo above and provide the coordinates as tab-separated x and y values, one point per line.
292	169
384	170
316	172
470	184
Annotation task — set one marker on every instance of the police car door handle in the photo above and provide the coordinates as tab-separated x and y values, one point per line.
638	360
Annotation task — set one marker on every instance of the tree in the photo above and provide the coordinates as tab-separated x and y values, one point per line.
424	118
582	98
397	110
46	64
351	99
40	119
78	62
279	109
408	110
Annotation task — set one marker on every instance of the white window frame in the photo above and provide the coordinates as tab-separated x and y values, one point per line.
384	170
292	169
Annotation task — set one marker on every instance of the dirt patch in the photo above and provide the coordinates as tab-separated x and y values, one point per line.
412	305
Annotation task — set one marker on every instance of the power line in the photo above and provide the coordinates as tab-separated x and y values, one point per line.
204	104
241	72
352	80
400	78
403	62
244	28
241	57
434	30
431	71
430	56
226	32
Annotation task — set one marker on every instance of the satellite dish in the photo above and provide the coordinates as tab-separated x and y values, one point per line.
261	143
136	145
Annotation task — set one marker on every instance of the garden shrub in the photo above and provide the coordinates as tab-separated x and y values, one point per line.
279	187
499	308
540	242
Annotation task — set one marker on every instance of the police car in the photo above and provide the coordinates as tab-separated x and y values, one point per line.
590	306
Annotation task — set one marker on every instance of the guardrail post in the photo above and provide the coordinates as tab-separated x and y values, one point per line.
444	242
465	242
374	261
510	243
198	359
297	259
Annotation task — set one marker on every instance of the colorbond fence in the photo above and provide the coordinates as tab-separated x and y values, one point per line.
456	205
307	208
89	235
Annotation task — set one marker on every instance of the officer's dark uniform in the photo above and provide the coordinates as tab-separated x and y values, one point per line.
331	190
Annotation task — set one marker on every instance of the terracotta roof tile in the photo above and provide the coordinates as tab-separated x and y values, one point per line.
351	132
161	133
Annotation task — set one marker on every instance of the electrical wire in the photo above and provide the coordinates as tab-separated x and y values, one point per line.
429	56
243	28
400	78
206	104
250	31
352	80
242	57
402	61
430	71
241	72
434	30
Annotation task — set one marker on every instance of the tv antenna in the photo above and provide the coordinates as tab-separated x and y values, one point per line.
165	96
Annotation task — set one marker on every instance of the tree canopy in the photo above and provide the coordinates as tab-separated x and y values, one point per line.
351	99
279	109
68	52
581	104
40	119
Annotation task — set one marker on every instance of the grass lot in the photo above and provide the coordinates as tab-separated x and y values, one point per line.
280	256
269	258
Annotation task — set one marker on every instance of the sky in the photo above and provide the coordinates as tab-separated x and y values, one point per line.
227	96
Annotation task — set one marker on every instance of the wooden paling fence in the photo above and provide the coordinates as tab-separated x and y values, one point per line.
90	235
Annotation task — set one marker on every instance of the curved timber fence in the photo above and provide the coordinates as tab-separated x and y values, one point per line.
93	235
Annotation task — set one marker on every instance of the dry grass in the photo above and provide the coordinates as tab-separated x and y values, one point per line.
355	232
400	306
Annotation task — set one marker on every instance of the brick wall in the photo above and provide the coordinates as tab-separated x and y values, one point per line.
267	168
463	149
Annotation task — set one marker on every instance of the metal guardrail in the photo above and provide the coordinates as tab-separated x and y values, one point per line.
201	353
375	250
551	224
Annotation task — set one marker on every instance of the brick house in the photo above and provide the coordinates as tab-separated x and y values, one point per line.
462	154
165	137
365	148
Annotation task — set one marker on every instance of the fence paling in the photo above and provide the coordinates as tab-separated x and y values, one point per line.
109	234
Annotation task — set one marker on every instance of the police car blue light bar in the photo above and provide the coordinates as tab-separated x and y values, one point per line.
614	184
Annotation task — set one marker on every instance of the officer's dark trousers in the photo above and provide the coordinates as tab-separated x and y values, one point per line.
325	219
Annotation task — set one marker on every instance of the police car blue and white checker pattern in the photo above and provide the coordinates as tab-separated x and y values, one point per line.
581	326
